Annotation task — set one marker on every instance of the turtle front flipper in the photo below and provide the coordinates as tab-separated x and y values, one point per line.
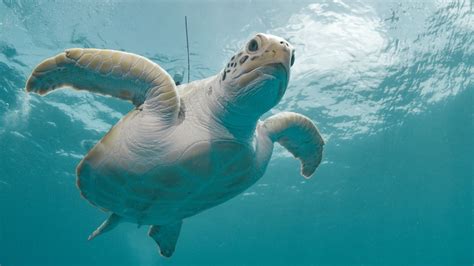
119	74
166	237
298	135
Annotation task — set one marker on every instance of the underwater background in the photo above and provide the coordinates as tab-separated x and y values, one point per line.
389	84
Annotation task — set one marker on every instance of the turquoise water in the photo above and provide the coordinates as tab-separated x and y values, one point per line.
389	83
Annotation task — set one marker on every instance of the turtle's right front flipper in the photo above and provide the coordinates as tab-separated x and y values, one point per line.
123	75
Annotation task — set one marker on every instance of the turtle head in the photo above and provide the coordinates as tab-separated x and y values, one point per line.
255	78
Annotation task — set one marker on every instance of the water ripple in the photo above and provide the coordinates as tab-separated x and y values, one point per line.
353	73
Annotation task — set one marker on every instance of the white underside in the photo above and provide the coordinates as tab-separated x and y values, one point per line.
155	174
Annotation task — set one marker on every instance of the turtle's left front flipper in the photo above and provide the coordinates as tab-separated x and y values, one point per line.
166	237
298	135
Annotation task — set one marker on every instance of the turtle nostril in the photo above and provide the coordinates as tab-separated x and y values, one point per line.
284	43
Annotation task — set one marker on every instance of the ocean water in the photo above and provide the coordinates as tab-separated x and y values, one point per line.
389	84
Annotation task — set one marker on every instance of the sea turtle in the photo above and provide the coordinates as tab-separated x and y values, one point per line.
182	149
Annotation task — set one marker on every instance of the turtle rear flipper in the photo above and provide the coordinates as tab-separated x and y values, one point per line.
110	223
166	237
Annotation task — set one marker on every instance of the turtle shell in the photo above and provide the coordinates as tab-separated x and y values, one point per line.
206	174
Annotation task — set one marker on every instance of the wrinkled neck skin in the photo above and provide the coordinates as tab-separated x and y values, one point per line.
233	108
211	109
238	121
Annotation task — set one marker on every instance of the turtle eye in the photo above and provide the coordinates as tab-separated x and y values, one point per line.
292	58
253	45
